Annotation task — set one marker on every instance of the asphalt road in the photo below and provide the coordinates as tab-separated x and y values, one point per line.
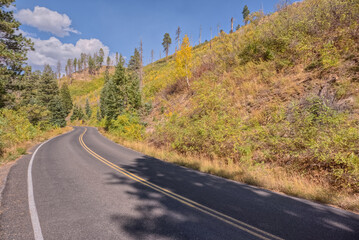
87	187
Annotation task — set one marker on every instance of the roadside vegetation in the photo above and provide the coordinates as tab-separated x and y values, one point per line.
32	106
273	103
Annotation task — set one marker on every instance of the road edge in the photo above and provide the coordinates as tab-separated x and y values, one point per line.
30	192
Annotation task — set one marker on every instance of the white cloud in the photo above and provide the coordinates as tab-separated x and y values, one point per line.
53	50
46	20
25	34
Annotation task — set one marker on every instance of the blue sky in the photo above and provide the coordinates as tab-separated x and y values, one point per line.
119	25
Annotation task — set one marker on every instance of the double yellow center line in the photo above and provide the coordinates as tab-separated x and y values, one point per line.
220	216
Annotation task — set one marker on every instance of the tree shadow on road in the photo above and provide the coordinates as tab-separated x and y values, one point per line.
159	216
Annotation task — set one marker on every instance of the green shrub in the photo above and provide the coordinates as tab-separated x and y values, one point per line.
127	126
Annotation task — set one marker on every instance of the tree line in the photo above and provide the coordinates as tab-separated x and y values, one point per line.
86	62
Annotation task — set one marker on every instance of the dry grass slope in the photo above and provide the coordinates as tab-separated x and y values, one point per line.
274	104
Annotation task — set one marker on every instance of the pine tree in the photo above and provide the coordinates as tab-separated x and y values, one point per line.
58	112
100	58
166	43
91	65
77	114
58	69
48	88
69	67
88	108
75	64
108	62
106	76
66	98
116	58
14	47
120	93
98	115
245	14
29	87
120	80
134	63
110	103
133	93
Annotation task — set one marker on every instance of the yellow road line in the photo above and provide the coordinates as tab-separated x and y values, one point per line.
225	218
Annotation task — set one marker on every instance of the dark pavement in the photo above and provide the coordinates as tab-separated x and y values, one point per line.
79	196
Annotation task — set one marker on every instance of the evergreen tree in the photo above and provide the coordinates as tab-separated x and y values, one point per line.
69	67
110	102
13	49
108	61
120	81
77	114
29	87
91	65
116	58
66	98
100	57
166	43
88	108
58	112
120	93
245	14
134	93
98	115
134	64
58	69
75	64
106	76
48	88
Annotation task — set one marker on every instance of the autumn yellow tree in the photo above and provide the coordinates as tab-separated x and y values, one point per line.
184	60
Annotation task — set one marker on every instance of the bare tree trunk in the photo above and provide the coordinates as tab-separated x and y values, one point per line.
200	34
141	65
210	41
232	25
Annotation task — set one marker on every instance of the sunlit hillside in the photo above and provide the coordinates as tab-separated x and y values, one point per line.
275	92
274	95
83	85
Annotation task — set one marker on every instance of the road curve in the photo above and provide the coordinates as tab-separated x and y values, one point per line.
87	187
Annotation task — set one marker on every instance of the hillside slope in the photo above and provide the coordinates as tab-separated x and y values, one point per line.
274	104
83	85
274	93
